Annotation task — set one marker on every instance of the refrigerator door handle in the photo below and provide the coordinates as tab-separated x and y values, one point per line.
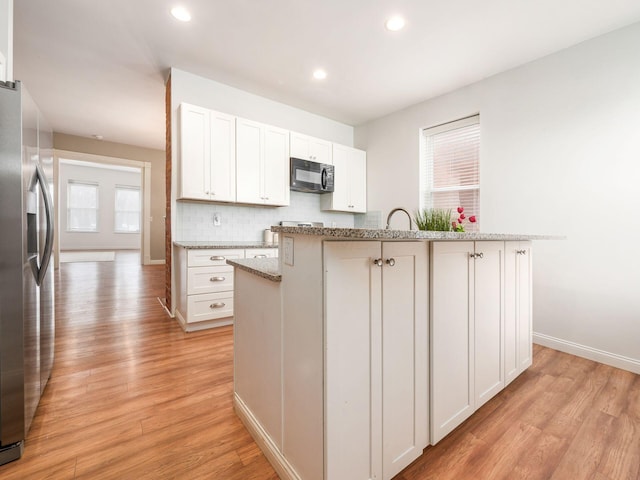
48	244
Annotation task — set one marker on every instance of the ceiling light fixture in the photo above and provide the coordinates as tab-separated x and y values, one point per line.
181	13
319	74
394	23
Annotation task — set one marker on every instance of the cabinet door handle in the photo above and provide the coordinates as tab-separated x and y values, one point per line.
377	261
217	279
476	255
260	256
391	262
521	252
217	305
216	257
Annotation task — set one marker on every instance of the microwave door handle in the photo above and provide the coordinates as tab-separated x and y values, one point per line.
48	244
324	178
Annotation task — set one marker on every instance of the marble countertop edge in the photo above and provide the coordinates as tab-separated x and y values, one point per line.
268	268
364	233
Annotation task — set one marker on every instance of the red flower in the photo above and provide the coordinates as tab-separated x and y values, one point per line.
454	225
459	220
460	210
462	216
472	219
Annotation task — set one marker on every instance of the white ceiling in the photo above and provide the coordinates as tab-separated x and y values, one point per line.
98	67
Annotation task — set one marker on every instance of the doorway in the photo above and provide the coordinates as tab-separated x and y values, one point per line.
95	199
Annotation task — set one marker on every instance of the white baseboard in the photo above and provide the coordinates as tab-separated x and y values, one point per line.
197	326
590	353
166	310
280	464
154	262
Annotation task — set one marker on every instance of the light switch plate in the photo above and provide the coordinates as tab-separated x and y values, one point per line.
287	247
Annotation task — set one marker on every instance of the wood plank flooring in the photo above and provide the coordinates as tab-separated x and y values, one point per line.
133	397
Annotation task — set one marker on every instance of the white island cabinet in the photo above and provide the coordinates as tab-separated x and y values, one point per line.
518	331
376	337
384	343
467	330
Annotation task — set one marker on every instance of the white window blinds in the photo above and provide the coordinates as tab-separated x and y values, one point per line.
127	209
450	164
82	206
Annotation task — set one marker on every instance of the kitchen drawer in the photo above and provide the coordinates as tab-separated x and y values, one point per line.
209	306
209	279
212	256
261	253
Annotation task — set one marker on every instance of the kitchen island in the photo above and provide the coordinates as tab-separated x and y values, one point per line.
374	344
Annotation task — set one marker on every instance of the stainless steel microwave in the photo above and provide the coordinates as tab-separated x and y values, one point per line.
313	177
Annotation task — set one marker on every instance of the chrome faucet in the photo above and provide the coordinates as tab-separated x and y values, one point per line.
394	211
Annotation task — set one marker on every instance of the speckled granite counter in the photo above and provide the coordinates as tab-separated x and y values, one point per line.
381	234
268	268
229	244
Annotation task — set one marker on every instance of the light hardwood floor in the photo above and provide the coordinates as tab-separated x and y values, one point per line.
133	397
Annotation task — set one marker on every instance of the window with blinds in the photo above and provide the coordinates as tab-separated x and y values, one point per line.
82	206
450	168
127	209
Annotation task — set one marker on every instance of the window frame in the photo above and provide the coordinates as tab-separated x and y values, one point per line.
85	183
427	176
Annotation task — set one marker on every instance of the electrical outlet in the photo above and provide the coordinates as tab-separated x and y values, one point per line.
217	219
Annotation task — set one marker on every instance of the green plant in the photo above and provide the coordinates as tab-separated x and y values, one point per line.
434	219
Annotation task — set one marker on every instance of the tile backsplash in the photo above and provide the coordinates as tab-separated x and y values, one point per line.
194	220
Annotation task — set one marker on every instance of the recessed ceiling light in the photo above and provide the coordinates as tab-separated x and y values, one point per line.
394	23
319	74
181	13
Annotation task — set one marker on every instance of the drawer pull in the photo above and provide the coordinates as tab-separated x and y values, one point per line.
217	279
217	257
217	305
260	256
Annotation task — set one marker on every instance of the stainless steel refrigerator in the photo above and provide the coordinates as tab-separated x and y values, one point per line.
27	320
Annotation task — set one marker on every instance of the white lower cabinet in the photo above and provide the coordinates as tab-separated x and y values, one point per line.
376	357
518	332
467	330
205	284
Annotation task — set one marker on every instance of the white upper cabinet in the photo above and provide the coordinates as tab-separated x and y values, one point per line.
262	160
310	148
350	181
207	154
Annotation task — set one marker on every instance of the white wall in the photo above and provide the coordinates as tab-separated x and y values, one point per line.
6	40
560	154
105	238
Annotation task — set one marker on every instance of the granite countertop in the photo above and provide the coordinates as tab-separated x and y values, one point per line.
381	234
226	244
268	268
